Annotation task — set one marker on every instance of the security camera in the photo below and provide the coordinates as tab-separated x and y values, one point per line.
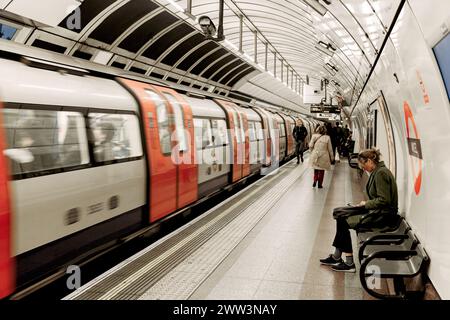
208	27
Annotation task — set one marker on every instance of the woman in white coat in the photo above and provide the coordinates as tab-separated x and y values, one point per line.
321	154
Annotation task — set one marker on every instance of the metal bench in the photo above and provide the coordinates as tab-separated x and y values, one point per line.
387	242
397	265
401	228
390	253
353	161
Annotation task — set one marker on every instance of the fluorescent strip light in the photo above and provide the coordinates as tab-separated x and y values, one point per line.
325	48
331	71
320	9
49	65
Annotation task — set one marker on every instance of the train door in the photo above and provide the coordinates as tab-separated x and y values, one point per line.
276	136
158	121
290	137
184	153
273	141
267	139
6	261
246	141
237	145
293	122
283	134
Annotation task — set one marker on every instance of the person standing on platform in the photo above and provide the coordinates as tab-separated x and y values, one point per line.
332	133
376	214
321	155
299	134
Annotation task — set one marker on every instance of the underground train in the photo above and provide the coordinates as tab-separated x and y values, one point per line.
88	160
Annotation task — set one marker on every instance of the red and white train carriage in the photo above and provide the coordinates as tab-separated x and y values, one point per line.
86	160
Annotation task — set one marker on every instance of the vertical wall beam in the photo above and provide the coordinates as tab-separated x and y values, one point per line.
275	64
267	56
292	79
287	76
189	7
241	32
256	46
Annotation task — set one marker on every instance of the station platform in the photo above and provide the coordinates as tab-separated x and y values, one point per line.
264	243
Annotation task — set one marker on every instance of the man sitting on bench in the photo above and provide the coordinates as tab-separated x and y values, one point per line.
379	212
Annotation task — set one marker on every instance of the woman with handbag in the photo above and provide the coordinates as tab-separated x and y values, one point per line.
377	213
321	155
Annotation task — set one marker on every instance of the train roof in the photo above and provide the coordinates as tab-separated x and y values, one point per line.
204	107
45	87
252	115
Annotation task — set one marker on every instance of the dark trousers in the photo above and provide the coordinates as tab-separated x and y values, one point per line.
299	148
318	176
334	146
342	239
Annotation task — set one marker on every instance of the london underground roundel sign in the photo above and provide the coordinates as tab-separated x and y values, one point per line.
414	147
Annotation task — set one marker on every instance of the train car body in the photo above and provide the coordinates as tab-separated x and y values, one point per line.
68	172
88	160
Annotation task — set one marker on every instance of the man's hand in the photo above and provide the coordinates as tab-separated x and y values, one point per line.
362	204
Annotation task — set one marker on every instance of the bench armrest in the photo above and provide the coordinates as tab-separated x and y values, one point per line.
382	239
353	165
389	255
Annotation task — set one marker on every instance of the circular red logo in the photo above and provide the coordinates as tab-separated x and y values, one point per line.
413	135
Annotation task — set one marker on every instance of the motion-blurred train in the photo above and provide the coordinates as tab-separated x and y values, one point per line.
86	160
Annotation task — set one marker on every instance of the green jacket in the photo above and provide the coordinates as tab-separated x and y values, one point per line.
383	200
382	190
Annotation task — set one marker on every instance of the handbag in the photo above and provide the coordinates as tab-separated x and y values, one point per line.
348	211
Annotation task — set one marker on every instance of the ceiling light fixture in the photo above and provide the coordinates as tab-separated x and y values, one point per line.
332	67
326	48
317	6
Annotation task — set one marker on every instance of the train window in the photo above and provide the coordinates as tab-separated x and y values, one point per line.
237	127
219	132
282	129
203	134
114	136
7	32
251	131
241	122
179	122
162	115
259	131
39	141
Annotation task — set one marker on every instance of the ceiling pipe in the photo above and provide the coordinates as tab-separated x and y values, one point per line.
220	34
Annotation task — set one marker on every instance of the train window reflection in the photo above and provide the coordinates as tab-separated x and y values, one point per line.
251	131
179	122
282	130
115	136
259	131
237	127
203	133
162	116
42	140
219	132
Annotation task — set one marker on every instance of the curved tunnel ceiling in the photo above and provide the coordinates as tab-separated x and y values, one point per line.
280	39
292	29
